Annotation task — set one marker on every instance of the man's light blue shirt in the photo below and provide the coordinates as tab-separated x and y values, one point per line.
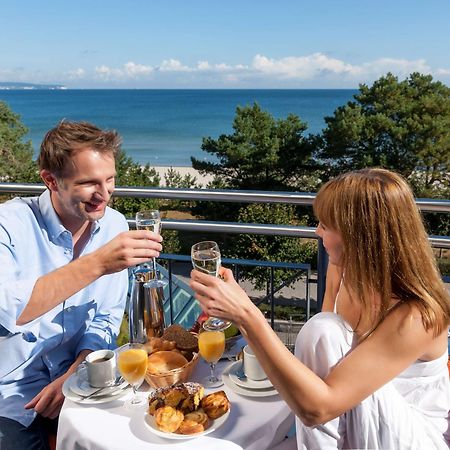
33	242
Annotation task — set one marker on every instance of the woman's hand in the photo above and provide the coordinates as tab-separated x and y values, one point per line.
221	296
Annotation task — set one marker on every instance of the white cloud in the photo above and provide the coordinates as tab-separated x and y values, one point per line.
77	73
203	65
400	67
314	70
444	72
173	65
135	70
320	66
301	67
130	70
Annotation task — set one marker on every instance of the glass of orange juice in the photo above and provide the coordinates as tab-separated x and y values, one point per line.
132	363
211	345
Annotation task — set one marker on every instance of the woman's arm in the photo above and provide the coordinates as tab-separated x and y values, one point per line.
397	342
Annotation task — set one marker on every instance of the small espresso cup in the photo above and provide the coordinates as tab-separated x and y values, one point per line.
252	367
101	368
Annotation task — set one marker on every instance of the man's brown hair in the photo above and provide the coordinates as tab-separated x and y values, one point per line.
61	142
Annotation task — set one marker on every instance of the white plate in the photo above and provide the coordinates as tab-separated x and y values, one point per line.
247	382
213	425
243	391
72	383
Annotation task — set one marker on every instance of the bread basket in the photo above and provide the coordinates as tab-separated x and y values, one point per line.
174	376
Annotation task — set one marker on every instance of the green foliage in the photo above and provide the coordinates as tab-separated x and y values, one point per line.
124	332
130	173
16	156
270	248
399	125
262	153
444	266
174	179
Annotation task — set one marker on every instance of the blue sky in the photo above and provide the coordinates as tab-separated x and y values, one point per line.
222	44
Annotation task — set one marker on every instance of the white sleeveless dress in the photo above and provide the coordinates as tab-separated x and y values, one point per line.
410	412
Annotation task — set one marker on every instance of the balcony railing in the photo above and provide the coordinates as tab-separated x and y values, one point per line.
426	205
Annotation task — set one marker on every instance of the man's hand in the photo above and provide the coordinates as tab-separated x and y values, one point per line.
48	402
128	249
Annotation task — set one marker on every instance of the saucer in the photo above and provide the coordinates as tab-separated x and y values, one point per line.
81	386
247	383
71	390
243	391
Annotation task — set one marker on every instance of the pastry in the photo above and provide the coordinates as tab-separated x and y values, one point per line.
168	419
190	427
186	396
198	416
165	361
185	341
216	404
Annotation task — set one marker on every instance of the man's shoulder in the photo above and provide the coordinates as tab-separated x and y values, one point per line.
18	207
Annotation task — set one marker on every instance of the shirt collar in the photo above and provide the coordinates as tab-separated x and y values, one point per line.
52	221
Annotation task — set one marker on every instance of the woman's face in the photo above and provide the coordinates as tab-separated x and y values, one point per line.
332	241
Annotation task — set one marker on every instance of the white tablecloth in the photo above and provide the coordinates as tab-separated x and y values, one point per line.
253	424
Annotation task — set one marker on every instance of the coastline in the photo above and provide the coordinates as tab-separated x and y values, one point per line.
203	180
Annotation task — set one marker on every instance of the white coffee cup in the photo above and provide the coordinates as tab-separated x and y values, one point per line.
101	368
252	367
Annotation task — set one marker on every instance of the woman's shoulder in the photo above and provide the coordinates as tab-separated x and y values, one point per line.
406	321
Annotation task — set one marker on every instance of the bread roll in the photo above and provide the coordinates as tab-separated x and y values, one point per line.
165	361
184	340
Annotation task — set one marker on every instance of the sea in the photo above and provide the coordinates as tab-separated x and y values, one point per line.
166	127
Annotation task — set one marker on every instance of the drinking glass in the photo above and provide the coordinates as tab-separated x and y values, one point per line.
211	345
149	220
205	257
132	363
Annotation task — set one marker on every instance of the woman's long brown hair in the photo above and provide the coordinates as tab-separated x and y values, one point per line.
386	249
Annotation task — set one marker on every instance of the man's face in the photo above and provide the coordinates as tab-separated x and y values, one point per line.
82	193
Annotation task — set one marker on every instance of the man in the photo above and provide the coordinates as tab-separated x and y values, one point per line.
63	278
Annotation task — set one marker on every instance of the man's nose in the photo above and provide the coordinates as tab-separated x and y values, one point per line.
103	191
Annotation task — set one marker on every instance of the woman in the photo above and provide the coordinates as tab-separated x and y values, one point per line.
370	371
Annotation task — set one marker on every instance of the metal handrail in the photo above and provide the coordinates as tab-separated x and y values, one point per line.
442	206
218	195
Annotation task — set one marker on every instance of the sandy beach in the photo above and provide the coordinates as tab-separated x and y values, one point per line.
202	180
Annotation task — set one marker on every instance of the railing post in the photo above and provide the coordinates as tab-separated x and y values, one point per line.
322	264
272	300
308	295
170	292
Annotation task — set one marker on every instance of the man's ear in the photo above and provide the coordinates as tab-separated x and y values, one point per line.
49	179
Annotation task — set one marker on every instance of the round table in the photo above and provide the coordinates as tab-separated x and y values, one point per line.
254	424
